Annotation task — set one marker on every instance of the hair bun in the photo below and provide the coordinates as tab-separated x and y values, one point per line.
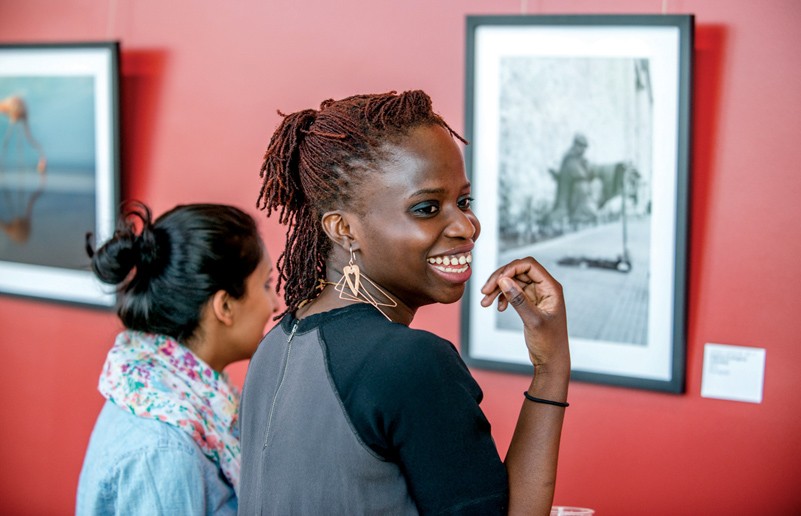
144	250
150	251
113	261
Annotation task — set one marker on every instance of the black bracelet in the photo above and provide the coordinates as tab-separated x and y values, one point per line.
529	397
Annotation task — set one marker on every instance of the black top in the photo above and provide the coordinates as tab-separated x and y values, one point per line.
395	410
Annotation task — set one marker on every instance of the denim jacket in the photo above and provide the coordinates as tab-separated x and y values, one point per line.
137	466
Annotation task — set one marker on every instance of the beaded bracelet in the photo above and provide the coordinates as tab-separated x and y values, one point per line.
529	397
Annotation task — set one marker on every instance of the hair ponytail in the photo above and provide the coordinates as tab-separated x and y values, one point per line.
281	187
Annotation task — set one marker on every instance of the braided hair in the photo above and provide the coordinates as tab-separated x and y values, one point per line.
314	163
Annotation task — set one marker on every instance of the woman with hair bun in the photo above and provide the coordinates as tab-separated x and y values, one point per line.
194	296
347	410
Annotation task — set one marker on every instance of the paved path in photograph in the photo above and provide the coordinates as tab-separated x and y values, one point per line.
601	304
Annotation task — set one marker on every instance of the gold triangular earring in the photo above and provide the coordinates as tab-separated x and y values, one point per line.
351	287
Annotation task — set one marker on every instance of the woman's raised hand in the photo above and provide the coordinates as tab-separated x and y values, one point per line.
537	298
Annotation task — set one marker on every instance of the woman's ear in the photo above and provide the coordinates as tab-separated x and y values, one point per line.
337	226
222	307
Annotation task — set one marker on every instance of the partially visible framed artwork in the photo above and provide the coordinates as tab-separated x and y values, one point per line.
59	167
579	130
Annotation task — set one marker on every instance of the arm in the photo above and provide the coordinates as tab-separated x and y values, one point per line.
533	453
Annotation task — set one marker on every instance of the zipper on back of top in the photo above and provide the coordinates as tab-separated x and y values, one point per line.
280	382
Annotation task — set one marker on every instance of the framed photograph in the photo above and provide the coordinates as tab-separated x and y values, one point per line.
579	131
59	167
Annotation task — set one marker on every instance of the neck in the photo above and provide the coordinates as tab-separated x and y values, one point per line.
206	353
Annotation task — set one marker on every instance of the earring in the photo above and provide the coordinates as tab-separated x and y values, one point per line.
351	288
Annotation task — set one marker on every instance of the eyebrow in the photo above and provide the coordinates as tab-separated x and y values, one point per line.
434	191
427	191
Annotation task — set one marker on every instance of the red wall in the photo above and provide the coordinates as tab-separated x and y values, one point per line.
202	81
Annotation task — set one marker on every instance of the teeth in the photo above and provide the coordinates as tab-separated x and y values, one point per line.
452	263
451	269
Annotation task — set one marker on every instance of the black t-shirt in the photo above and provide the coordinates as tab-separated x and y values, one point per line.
376	416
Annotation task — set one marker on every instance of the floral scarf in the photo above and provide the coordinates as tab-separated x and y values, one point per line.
155	377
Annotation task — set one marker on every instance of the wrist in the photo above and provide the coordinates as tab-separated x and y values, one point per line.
550	381
557	366
529	397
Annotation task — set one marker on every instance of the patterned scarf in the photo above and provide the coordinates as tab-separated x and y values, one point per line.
155	377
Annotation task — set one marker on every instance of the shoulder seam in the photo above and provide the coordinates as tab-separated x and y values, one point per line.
344	411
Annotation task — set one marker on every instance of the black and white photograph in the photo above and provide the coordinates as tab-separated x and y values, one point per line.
59	166
578	155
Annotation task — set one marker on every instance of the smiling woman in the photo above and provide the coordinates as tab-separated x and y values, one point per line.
342	396
419	211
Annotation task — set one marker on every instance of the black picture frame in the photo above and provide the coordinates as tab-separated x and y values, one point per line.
579	131
59	167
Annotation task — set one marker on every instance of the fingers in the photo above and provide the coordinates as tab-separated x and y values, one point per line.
527	270
492	288
524	272
512	293
539	301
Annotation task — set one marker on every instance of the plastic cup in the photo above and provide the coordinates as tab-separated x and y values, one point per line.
560	510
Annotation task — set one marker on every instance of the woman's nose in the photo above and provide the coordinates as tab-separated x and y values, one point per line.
463	225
